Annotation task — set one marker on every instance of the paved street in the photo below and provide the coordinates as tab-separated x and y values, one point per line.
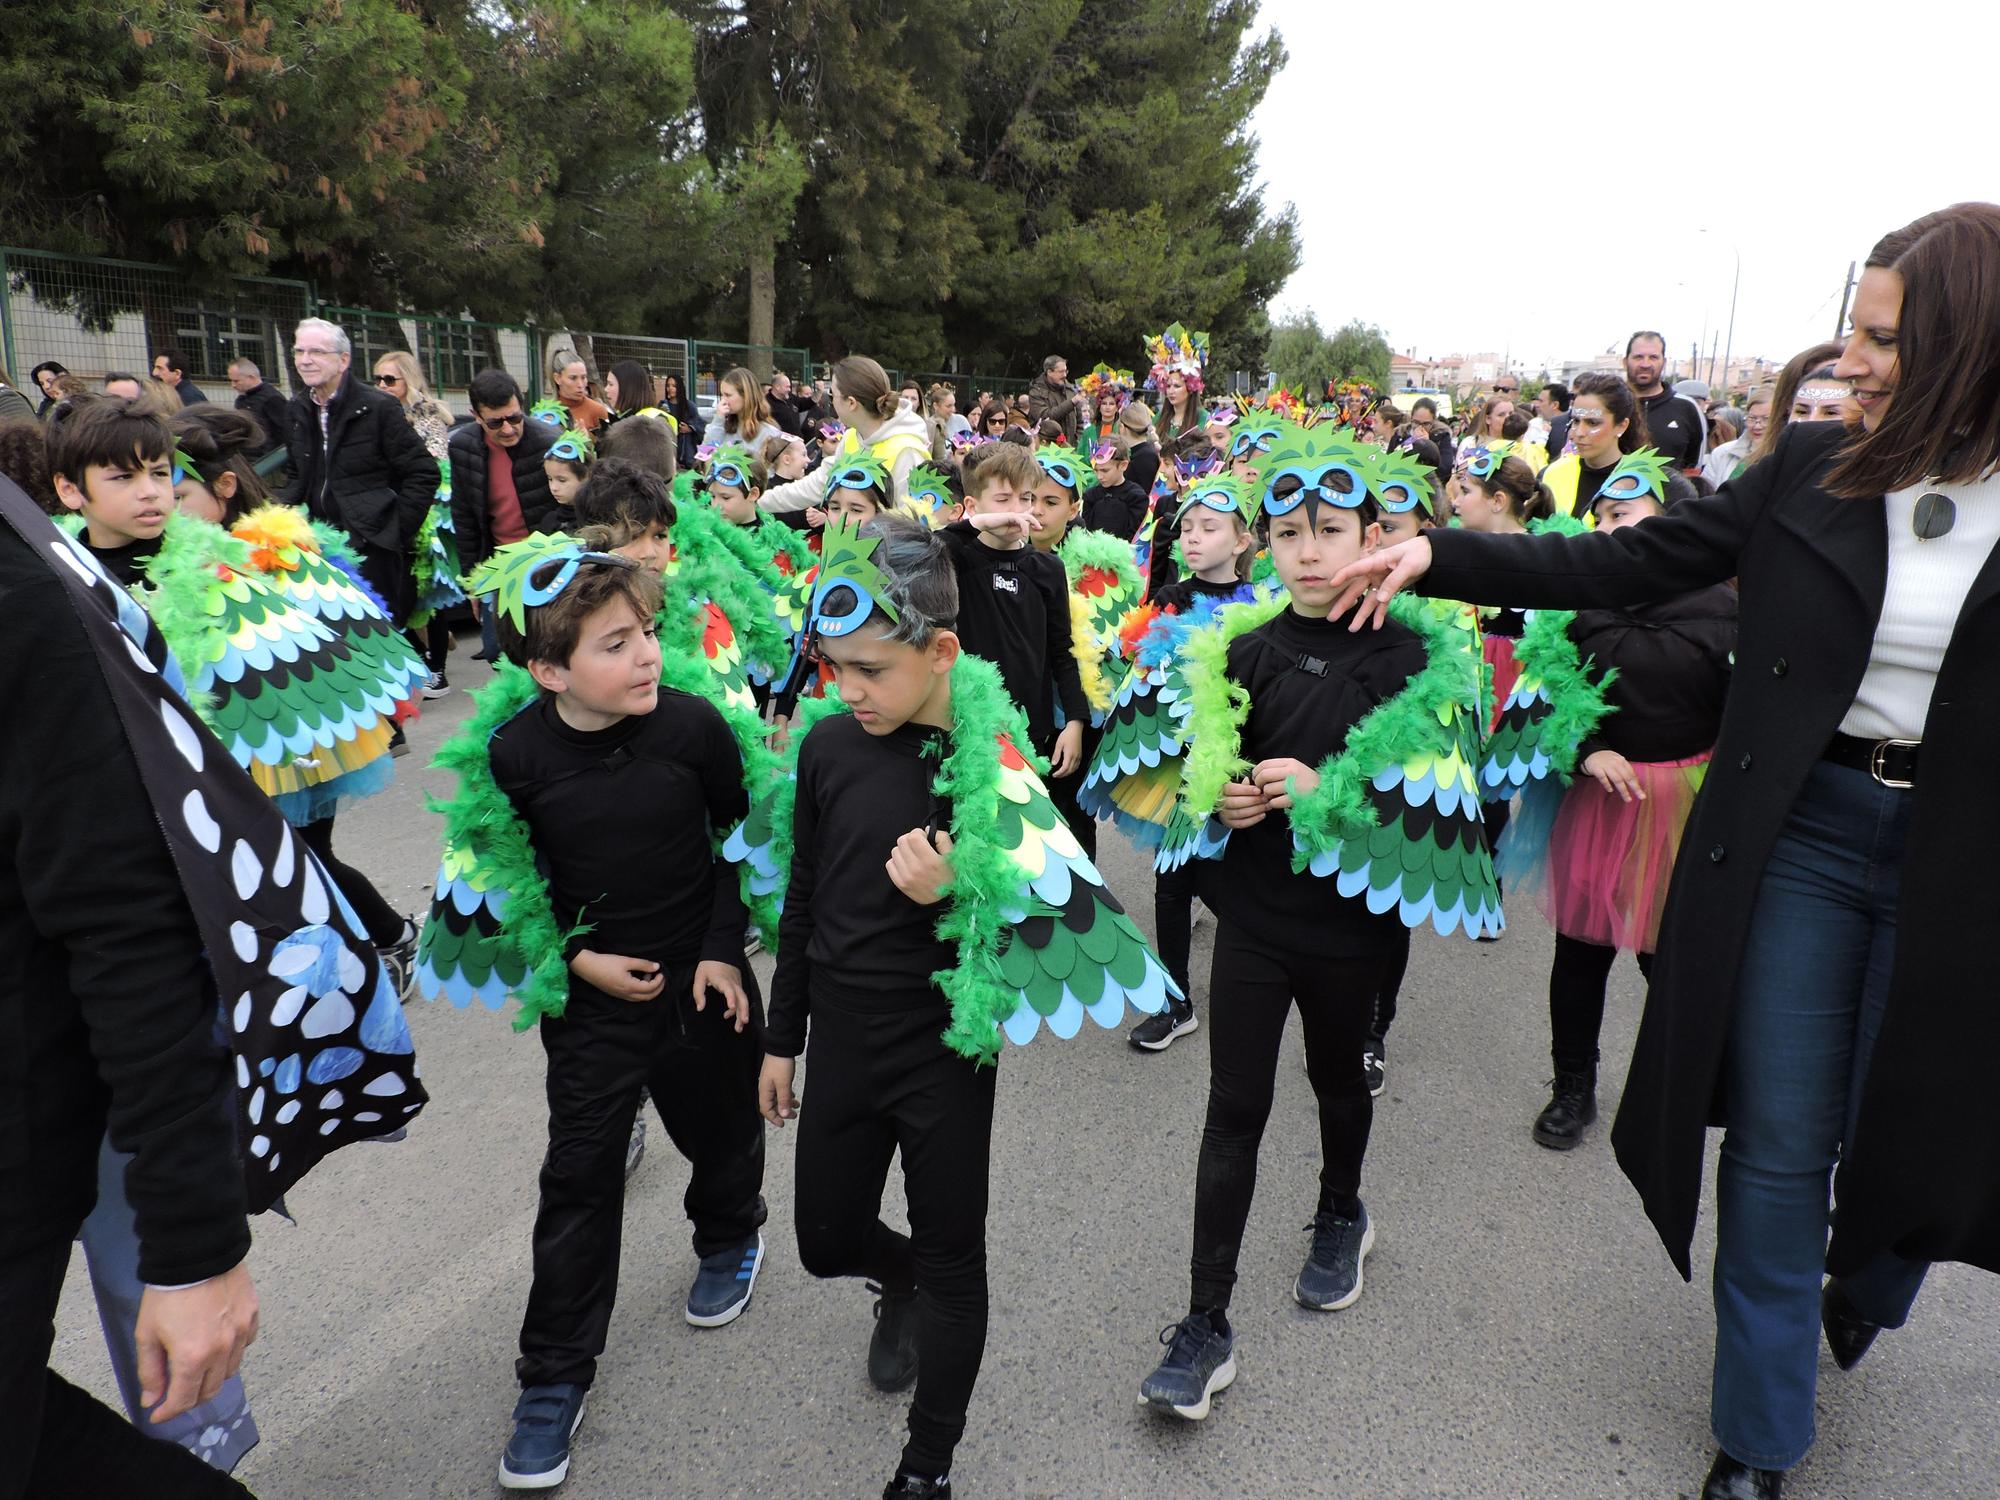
1522	1333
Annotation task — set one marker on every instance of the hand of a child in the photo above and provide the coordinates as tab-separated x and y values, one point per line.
775	1100
1271	776
1001	522
1067	756
920	869
727	981
622	978
1242	805
1614	773
780	733
815	516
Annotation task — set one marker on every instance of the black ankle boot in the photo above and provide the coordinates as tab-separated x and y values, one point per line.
1571	1108
1848	1334
1730	1480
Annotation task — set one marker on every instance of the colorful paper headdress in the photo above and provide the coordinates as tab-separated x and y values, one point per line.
1102	381
1176	349
732	464
527	574
1315	466
860	470
930	492
573	445
848	586
832	429
1254	435
549	410
1401	482
1065	466
1225	493
1638	476
184	465
1226	415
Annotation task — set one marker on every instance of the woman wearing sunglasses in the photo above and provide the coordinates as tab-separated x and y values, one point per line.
1823	983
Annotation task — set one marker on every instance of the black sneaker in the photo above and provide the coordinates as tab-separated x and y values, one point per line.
1157	1033
892	1348
1331	1276
438	686
1571	1109
400	960
398	743
1199	1363
1375	1063
908	1486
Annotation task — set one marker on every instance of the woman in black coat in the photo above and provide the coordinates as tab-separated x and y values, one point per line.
1824	982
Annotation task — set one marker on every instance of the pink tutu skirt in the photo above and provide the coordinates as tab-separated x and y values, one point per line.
1604	879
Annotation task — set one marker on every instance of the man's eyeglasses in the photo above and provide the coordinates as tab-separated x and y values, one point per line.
494	424
301	352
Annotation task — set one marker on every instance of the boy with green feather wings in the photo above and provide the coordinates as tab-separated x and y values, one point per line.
934	903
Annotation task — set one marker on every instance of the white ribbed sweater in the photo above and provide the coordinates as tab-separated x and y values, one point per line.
1928	582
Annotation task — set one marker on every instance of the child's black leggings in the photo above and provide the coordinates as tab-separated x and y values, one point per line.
1173	919
1251	989
1395	964
1576	1000
383	921
875	1084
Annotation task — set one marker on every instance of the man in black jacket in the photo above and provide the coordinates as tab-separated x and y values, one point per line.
499	489
1674	425
357	463
264	402
107	1019
786	405
1053	398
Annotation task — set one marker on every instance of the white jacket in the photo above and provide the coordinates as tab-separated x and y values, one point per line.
901	457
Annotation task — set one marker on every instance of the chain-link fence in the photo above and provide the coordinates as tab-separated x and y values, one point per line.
103	317
451	350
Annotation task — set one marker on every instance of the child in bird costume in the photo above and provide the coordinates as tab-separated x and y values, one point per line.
1632	697
1334	776
935	903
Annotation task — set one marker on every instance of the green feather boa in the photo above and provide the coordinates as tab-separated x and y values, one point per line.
1338	809
986	880
482	817
1577	704
721	563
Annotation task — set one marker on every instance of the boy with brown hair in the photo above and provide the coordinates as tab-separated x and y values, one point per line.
623	787
1014	601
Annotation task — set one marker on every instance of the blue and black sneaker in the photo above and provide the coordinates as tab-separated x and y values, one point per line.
1331	1278
723	1285
1199	1363
545	1419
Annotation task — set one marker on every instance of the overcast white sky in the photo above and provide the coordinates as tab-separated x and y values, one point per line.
1535	128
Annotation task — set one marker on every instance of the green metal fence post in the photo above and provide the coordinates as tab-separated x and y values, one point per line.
6	316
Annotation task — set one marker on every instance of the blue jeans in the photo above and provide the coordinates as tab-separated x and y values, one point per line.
1809	1005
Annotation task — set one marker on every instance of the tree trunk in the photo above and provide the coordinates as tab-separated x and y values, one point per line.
761	333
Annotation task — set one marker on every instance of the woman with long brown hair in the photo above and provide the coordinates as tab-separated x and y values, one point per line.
742	415
1824	976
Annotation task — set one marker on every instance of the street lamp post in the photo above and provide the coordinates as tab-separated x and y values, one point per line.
1729	338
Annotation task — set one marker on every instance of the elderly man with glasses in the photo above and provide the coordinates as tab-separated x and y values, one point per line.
357	463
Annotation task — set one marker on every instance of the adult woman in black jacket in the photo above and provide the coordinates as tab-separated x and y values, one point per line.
1824	979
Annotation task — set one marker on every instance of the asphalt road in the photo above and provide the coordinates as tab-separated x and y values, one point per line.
1522	1333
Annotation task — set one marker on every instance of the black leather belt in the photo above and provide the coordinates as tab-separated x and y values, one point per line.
1890	762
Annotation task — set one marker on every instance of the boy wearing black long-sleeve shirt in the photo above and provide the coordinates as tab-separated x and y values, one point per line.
1286	936
1013	603
624	786
858	947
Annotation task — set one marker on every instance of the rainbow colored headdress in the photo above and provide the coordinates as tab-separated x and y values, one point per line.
1176	349
848	586
1104	380
1637	476
527	574
1065	466
1225	493
1401	482
732	464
